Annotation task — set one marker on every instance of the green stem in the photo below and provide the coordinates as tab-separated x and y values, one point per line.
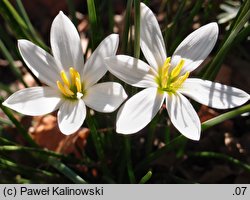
227	158
127	26
30	149
215	65
72	11
29	25
10	59
150	135
5	141
17	124
146	177
4	121
65	170
95	30
129	161
228	115
181	139
157	154
187	23
5	88
23	168
97	143
137	29
95	137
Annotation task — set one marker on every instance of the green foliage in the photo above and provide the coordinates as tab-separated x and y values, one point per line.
116	158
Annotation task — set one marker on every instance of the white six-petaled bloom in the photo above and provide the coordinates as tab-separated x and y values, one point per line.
71	84
167	79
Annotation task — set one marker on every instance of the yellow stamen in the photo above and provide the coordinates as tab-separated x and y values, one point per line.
71	87
178	83
64	89
166	66
164	72
72	75
171	81
176	71
78	85
65	78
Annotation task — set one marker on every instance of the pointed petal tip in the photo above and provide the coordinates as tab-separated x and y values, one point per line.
142	5
5	103
61	13
214	26
22	42
67	131
191	134
195	137
121	131
71	116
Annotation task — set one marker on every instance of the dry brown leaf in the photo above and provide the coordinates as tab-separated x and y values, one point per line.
47	134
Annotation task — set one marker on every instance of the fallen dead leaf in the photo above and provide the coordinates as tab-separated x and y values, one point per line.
47	134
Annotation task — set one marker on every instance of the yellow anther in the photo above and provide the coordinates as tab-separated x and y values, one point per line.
65	78
165	67
176	71
78	85
70	87
171	81
163	72
72	75
61	88
178	83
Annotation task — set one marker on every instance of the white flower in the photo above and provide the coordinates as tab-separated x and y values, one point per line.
71	84
167	79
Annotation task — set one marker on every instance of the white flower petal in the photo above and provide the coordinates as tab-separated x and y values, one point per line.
105	97
132	71
71	115
152	43
195	47
183	116
34	101
65	43
95	67
214	94
41	63
138	111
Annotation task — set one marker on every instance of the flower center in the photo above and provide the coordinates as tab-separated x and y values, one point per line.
73	87
171	81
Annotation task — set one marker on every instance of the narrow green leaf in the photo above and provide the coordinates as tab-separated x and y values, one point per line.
228	115
125	35
98	145
131	174
110	8
13	68
178	141
24	169
20	128
215	65
187	23
137	29
95	30
29	25
72	11
65	171
4	121
146	177
227	158
5	88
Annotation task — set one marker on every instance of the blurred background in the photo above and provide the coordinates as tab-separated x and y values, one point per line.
210	160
